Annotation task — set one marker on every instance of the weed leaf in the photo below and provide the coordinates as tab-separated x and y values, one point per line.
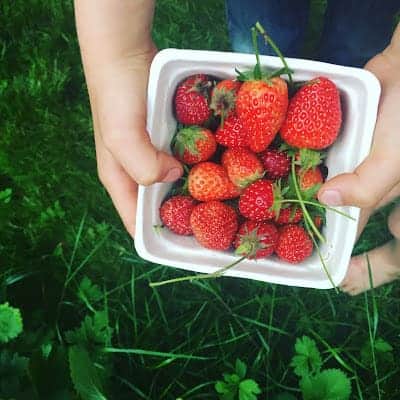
307	359
10	323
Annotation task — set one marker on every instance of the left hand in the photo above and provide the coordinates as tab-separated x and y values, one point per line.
376	181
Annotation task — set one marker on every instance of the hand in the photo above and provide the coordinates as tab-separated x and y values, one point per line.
376	180
117	50
125	155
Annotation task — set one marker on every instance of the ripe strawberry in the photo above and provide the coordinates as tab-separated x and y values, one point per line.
209	181
294	244
314	115
261	106
276	163
214	224
191	100
242	165
309	178
175	214
223	98
256	201
194	144
287	216
256	239
318	221
232	134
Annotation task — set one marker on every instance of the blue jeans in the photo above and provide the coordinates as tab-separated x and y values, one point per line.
354	30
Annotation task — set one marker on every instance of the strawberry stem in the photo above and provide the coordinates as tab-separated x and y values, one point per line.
257	68
269	41
191	278
307	216
315	204
324	266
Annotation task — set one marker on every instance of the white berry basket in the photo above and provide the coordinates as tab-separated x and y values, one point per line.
359	91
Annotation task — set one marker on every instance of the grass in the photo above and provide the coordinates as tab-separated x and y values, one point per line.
58	226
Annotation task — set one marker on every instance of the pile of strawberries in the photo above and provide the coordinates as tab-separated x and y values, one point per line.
254	162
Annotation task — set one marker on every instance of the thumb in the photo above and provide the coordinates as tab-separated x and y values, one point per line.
366	186
140	159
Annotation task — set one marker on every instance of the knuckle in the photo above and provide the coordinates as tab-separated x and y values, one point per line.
146	178
368	199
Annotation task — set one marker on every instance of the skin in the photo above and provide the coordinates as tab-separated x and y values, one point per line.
117	50
376	181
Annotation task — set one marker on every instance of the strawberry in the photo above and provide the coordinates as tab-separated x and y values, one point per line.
232	134
223	98
309	178
261	106
194	144
276	163
256	239
294	244
191	100
256	200
175	214
314	115
242	165
318	220
214	224
209	181
288	216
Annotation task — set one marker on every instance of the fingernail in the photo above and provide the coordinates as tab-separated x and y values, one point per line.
331	198
172	175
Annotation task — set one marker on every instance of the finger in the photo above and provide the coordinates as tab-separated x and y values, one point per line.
366	186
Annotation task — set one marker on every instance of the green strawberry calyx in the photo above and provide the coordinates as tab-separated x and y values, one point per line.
250	243
186	140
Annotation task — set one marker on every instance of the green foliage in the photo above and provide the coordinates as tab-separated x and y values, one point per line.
10	323
5	195
328	384
89	292
84	375
235	386
48	180
307	360
383	352
94	331
13	370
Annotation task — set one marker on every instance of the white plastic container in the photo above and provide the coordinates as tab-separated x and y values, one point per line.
360	92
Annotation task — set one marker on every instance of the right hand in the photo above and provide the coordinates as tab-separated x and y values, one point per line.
125	155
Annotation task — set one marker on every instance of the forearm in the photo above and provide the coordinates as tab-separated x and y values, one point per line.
112	30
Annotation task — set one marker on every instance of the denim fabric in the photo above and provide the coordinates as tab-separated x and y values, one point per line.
354	30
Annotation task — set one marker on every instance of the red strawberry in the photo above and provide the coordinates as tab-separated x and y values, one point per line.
214	224
194	144
314	115
262	106
276	163
191	100
294	244
309	178
232	134
242	165
223	98
209	181
175	214
318	221
256	239
287	216
256	201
